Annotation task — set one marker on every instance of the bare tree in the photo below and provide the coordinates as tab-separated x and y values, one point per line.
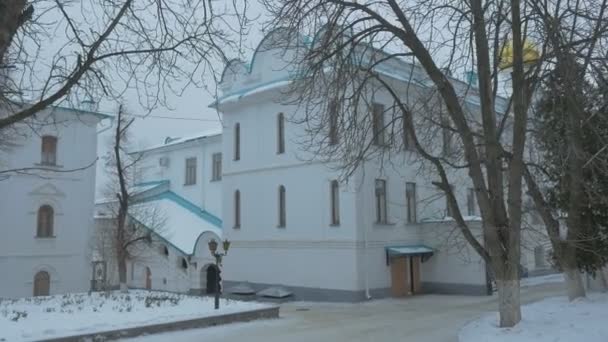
52	50
135	224
430	41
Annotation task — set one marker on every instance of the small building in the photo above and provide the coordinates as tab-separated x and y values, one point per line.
47	202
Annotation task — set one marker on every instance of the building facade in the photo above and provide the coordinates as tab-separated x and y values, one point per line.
47	204
295	222
176	197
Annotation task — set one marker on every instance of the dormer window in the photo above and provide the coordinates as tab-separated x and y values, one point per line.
49	150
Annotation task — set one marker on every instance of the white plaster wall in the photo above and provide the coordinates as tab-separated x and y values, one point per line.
71	195
167	272
206	193
454	260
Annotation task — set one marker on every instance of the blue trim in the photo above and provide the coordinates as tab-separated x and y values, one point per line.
242	92
193	208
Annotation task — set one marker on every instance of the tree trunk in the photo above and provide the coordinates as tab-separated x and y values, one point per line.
508	298
572	275
122	274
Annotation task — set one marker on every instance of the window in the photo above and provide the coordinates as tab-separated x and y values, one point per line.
410	198
378	124
381	211
471	202
42	284
237	209
49	150
45	222
190	171
408	140
237	141
184	264
165	251
539	257
333	112
448	208
447	136
280	133
282	209
335	203
216	165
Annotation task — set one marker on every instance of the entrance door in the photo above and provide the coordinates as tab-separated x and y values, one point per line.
405	275
148	278
211	279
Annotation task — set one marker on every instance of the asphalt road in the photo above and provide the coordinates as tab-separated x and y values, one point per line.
428	318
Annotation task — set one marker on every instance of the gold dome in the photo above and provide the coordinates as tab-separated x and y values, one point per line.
531	54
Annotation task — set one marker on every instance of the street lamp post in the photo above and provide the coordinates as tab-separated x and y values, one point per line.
218	262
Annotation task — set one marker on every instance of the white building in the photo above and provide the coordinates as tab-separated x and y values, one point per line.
387	231
291	223
180	184
47	207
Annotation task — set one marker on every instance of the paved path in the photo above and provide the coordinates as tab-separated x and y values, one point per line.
429	318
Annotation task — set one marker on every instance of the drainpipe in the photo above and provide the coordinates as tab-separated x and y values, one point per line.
365	258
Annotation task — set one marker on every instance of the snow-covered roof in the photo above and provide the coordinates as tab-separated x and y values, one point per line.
182	140
182	222
409	250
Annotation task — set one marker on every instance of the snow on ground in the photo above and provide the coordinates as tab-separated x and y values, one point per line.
546	279
550	320
34	318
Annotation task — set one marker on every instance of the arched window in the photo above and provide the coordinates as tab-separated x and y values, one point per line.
165	251
45	221
42	284
49	150
184	264
280	133
237	141
237	209
282	209
335	202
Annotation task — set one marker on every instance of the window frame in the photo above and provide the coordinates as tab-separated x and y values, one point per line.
280	133
282	207
471	210
190	171
333	112
381	201
237	142
216	166
48	150
47	229
237	209
379	135
411	200
334	191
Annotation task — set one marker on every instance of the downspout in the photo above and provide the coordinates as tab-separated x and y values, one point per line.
365	246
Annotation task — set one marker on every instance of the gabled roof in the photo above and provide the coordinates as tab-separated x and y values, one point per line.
170	216
183	222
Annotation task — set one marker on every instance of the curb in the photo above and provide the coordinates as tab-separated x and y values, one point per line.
244	316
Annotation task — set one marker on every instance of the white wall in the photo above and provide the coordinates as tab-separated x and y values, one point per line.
206	193
71	194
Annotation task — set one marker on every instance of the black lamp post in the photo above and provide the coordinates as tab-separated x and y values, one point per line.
218	262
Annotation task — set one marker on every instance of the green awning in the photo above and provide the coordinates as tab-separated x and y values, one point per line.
408	250
423	251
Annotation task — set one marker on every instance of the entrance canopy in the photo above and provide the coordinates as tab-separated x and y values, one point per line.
423	251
